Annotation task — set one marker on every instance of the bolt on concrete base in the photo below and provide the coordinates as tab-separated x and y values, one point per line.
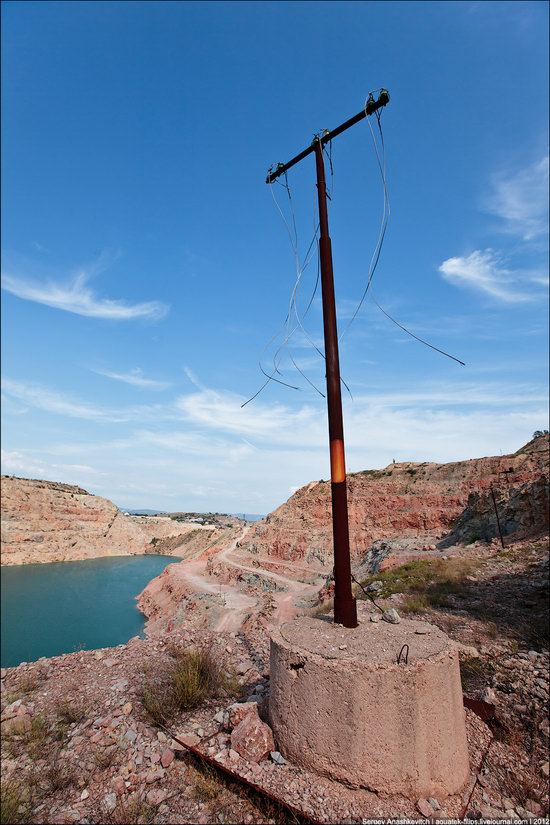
342	706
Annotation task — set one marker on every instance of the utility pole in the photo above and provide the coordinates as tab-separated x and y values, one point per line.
345	609
496	514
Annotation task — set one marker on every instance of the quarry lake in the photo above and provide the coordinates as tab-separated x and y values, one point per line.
49	609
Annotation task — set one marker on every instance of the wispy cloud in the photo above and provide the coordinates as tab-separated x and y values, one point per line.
74	295
223	411
15	462
484	271
197	465
193	378
63	404
136	378
520	199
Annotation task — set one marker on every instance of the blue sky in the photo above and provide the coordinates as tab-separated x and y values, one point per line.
145	265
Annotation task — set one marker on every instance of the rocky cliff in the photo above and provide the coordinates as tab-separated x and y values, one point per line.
416	503
44	521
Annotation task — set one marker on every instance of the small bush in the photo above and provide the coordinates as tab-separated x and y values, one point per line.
14	808
70	712
415	604
475	674
195	676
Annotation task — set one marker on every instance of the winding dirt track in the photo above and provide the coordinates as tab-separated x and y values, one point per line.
236	602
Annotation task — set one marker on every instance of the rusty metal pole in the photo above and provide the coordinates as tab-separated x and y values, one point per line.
496	514
345	609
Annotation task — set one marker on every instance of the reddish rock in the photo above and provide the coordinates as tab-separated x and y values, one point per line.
239	710
408	499
252	739
425	808
119	786
167	757
190	739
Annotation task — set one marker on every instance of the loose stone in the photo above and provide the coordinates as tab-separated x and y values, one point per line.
391	616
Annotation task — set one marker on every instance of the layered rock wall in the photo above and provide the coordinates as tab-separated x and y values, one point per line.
419	501
45	521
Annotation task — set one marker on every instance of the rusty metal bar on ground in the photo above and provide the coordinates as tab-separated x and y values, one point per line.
296	812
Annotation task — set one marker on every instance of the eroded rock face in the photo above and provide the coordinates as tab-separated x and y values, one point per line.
45	521
411	502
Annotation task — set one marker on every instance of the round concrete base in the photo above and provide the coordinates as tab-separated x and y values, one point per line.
342	706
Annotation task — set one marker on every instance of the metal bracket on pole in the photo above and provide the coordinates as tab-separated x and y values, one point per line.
371	107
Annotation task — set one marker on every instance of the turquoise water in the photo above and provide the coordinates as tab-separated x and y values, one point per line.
49	609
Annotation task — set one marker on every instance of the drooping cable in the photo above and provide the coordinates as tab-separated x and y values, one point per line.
381	161
416	337
300	268
295	293
307	379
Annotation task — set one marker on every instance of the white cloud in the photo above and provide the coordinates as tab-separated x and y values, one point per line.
75	296
224	411
484	271
135	378
193	378
15	462
216	455
52	401
58	403
520	200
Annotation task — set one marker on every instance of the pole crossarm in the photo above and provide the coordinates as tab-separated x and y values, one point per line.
371	107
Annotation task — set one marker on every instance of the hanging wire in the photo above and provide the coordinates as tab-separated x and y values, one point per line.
293	312
300	268
385	214
381	161
416	337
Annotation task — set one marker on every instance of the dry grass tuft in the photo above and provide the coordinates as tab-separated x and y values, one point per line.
194	676
14	806
70	711
28	682
475	674
206	784
227	798
134	810
58	775
104	757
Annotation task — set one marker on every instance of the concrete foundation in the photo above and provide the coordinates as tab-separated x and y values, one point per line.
342	706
